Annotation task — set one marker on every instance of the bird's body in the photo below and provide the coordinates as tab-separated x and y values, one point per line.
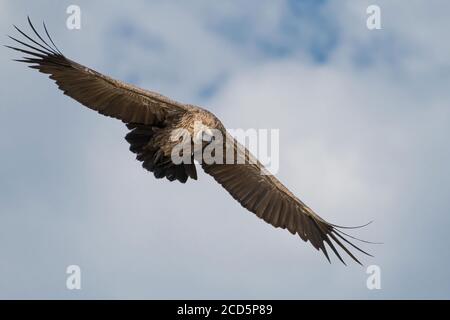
152	120
154	144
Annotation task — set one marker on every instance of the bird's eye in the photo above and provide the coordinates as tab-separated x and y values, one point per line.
206	136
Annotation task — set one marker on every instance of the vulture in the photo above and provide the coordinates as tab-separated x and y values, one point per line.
152	119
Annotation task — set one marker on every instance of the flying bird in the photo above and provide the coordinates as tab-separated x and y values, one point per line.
151	118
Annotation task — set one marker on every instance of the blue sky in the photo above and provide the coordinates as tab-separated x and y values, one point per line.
364	122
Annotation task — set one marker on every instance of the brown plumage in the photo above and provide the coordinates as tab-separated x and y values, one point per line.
151	119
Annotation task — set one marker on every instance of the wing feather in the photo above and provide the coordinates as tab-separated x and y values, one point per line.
269	199
99	92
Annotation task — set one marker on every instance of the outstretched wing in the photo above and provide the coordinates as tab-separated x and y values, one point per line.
108	96
270	200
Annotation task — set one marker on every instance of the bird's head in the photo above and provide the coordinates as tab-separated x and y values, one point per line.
203	134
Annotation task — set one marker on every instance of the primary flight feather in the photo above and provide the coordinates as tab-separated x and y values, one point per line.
152	118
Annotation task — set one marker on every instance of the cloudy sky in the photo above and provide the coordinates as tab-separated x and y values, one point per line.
364	119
